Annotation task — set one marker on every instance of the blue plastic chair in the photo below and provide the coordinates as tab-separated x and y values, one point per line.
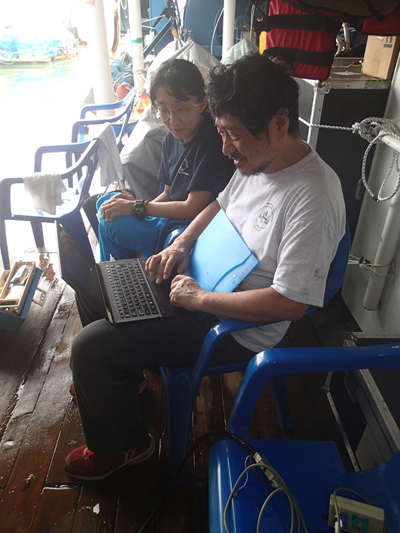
182	383
121	122
312	470
79	175
72	152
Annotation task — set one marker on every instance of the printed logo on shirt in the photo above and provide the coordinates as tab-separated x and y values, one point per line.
183	168
264	217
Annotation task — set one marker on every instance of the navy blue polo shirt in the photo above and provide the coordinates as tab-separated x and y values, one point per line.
198	165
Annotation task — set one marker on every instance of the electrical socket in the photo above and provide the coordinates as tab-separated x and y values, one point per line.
356	517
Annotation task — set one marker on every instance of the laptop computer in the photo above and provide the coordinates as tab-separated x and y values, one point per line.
123	291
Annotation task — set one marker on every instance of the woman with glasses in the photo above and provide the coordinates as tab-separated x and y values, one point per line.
193	169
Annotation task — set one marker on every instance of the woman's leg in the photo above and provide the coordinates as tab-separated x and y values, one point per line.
125	235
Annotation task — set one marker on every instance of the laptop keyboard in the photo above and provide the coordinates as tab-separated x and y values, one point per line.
131	292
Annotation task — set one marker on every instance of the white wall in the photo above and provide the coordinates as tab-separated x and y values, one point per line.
366	239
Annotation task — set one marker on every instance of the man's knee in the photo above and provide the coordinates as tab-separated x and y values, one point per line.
85	344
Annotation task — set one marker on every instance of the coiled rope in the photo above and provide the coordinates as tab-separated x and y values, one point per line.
372	130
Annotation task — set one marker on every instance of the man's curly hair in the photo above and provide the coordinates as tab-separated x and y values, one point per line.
253	89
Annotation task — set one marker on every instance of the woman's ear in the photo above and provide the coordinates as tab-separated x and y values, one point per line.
204	104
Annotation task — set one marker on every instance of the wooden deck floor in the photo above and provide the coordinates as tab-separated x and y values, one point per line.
39	425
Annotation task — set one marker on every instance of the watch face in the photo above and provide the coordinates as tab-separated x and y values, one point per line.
139	209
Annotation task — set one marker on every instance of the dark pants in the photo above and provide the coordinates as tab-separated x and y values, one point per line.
105	361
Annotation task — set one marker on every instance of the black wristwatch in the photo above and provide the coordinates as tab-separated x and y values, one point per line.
139	209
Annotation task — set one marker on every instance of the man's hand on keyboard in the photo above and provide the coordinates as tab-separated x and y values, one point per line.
186	293
163	263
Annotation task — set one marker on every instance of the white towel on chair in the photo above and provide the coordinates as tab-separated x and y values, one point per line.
109	159
46	191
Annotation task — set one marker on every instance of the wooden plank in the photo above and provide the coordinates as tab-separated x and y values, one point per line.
301	409
19	349
21	497
154	410
71	434
16	347
135	505
176	513
56	510
180	512
207	416
33	382
97	508
70	437
264	422
64	326
200	515
230	384
10	444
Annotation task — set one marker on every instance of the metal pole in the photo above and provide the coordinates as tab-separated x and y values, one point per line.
98	50
228	26
391	141
387	244
135	23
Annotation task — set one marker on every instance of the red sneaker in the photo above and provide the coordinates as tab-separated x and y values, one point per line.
84	464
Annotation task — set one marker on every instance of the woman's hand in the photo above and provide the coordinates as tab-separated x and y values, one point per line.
119	205
186	293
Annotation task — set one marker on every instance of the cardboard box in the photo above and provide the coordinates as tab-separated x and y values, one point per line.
380	56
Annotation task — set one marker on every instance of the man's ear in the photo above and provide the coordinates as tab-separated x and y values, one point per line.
281	119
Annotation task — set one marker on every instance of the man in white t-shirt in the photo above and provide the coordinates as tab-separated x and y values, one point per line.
288	206
286	203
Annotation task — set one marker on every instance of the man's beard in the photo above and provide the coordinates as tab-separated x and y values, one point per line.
259	169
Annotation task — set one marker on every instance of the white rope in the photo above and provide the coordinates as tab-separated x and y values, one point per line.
372	130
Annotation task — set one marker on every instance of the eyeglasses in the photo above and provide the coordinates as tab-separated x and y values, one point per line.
180	113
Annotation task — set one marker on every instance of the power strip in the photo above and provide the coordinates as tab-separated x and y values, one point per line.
356	517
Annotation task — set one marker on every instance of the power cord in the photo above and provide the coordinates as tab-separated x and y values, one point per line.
272	477
188	455
278	484
215	30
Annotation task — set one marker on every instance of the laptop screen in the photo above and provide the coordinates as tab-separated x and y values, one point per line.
75	263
